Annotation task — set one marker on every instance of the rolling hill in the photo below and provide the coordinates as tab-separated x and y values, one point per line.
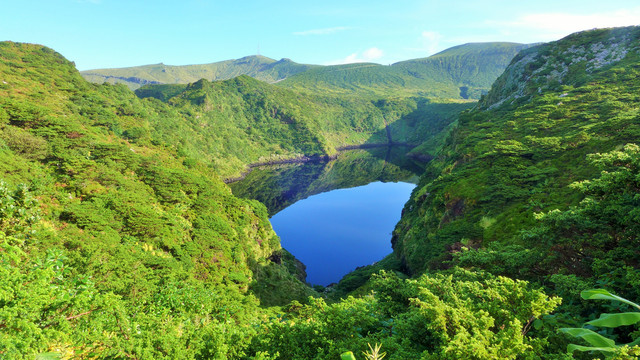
259	67
461	72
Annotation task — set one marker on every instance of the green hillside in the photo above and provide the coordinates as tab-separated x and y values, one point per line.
120	240
105	228
461	72
472	67
259	67
510	180
241	121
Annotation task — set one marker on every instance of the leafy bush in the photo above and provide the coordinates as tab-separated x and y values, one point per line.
600	343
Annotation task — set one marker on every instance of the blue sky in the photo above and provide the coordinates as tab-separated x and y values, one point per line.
118	33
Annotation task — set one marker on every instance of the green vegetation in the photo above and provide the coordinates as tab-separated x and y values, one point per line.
118	245
259	67
599	342
119	239
472	67
540	182
456	315
462	72
230	124
504	164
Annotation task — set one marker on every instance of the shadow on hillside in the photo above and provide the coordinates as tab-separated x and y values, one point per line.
278	186
427	126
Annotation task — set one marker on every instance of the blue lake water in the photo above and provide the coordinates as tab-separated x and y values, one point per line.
334	232
337	215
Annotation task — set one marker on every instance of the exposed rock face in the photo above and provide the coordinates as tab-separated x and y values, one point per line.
569	61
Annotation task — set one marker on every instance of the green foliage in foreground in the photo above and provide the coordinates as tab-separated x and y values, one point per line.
118	246
48	307
600	343
456	315
125	243
374	353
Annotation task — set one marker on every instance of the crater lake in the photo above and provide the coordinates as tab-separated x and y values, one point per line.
336	215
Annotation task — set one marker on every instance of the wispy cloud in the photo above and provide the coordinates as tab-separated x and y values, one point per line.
325	31
428	43
368	55
553	25
431	41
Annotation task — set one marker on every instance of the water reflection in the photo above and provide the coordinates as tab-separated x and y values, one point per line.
279	186
351	205
335	232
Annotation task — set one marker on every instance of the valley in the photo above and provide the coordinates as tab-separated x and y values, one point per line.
124	235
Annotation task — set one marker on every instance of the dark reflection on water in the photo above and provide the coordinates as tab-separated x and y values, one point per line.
338	230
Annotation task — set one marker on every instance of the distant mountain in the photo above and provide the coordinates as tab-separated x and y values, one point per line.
465	71
461	72
474	66
258	67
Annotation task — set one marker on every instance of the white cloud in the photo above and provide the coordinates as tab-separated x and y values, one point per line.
372	54
325	31
431	41
368	55
428	43
552	26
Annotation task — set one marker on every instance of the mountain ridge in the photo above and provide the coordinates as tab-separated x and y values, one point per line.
257	66
461	72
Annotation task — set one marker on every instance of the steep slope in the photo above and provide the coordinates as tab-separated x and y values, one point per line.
259	67
515	156
113	225
122	245
461	72
472	67
277	124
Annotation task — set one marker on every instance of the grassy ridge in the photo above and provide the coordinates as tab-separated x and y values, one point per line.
259	67
461	72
